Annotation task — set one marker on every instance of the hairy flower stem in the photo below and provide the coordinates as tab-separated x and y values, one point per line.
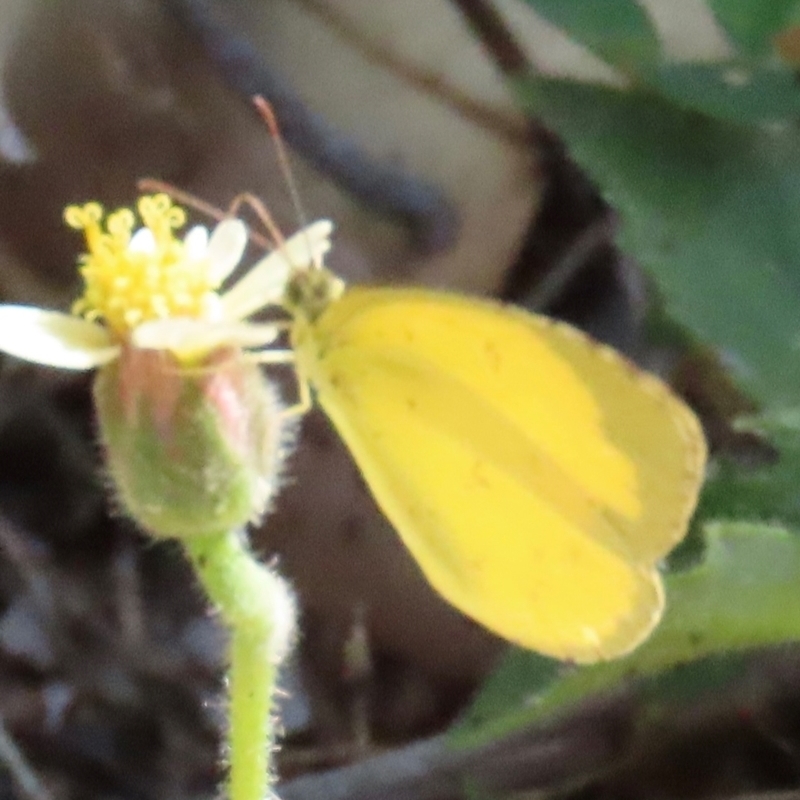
258	608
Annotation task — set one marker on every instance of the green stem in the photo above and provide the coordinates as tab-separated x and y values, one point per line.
257	606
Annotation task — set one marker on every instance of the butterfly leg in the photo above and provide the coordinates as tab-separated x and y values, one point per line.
258	208
304	400
189	200
184	198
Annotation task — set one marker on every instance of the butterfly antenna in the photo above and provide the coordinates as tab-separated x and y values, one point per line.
268	115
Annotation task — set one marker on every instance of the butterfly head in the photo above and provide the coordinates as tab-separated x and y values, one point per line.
310	291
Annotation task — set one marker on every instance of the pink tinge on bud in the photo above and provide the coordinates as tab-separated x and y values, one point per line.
223	388
149	379
191	450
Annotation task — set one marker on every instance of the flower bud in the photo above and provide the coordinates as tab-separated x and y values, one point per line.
191	450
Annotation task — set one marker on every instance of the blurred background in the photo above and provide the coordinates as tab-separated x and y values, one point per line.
405	127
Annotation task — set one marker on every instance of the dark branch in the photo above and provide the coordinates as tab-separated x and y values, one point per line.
422	207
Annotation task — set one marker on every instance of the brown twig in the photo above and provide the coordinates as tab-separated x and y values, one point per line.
495	120
13	759
492	31
433	769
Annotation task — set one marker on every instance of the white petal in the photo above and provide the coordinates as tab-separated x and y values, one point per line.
226	248
265	283
54	339
262	286
142	241
192	338
196	242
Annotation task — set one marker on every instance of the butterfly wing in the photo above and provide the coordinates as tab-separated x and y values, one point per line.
535	475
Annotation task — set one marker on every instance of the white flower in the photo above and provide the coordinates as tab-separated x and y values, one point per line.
150	289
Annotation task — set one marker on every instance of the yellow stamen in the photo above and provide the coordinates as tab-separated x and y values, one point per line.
125	287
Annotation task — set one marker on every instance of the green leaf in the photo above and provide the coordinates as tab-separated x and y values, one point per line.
744	594
759	492
617	30
753	23
726	91
711	209
742	88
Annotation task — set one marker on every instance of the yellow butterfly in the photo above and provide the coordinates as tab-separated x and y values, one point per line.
535	475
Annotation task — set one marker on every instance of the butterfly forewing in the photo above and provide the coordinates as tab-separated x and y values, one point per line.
492	441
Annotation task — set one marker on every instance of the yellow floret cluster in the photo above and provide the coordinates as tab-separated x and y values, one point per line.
132	278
